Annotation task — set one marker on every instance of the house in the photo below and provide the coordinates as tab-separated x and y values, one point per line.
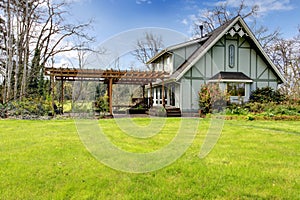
230	56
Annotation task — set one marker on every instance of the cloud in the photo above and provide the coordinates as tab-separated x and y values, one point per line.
185	22
191	5
265	6
143	1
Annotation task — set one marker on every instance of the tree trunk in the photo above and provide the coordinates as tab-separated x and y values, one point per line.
9	48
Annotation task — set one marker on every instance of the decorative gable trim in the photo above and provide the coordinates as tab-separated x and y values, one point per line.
237	29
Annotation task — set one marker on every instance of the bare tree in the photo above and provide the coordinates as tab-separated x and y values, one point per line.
265	37
147	47
286	55
81	62
34	31
55	37
14	40
9	50
217	16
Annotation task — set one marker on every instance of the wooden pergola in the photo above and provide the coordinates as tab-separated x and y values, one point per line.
108	77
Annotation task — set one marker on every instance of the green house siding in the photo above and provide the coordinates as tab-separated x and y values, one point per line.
229	50
246	60
218	58
182	54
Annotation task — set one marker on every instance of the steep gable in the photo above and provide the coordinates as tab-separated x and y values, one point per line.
234	28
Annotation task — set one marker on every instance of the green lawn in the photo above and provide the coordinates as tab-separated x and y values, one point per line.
252	160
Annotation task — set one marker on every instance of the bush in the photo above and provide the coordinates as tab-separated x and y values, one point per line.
266	94
26	108
257	107
250	117
268	110
235	109
101	105
211	98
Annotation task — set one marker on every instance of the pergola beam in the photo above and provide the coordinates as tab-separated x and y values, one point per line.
98	73
109	77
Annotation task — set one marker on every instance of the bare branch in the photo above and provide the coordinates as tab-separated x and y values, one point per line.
217	16
147	47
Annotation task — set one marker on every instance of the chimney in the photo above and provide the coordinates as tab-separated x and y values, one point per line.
201	30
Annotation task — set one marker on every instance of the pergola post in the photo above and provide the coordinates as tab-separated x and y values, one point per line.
163	93
151	97
62	96
110	83
52	90
143	93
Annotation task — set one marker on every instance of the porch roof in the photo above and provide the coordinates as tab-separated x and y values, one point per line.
230	77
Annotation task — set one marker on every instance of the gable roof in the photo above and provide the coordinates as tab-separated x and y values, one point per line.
213	38
174	47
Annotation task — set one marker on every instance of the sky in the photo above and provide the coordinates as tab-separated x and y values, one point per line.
121	18
114	16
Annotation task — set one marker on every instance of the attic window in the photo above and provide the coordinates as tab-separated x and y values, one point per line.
231	55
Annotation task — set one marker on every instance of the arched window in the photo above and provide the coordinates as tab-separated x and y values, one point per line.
231	55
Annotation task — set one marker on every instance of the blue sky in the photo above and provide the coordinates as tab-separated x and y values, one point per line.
115	16
119	23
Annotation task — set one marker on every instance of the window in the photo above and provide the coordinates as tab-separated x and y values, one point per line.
231	55
172	95
159	66
160	95
236	89
156	96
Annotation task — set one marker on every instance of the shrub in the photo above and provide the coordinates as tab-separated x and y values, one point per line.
250	117
101	105
266	94
235	109
26	108
211	98
257	107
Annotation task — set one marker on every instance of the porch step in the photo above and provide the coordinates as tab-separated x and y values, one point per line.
173	111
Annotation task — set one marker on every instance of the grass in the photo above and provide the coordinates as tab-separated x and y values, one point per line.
252	160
